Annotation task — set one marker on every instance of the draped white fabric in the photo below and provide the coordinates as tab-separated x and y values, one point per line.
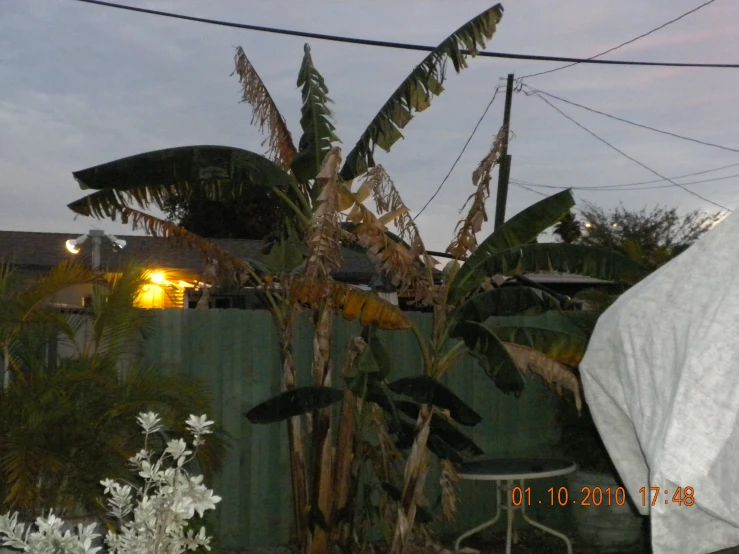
661	377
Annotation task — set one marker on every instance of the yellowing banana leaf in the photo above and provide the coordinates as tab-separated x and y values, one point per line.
551	333
354	303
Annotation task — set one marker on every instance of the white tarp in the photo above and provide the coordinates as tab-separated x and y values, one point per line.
661	377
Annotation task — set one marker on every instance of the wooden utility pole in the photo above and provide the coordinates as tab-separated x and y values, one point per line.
504	166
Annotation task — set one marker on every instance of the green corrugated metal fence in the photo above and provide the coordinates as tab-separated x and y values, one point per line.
236	352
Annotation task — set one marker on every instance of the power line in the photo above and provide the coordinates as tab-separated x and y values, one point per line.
403	45
703	172
461	153
513	182
624	154
617	188
623	43
668	133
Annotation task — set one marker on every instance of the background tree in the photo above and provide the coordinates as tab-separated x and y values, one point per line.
568	229
652	237
249	215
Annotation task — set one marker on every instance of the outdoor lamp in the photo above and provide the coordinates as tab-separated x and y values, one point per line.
118	244
73	245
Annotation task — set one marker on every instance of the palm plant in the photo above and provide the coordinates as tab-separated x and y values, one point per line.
66	421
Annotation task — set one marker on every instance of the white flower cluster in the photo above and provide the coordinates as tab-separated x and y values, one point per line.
169	498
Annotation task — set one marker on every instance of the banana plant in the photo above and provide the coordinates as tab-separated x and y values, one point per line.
287	174
511	330
290	175
535	334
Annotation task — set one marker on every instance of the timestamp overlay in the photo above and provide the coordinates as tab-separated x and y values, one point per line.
597	496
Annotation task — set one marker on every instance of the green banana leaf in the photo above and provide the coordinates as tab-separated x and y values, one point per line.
285	252
426	390
149	178
552	333
504	301
492	355
577	259
416	91
318	130
294	402
523	228
443	429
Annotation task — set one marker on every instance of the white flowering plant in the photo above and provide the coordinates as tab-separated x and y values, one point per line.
155	524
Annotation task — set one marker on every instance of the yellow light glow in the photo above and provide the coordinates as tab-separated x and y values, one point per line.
157	277
72	246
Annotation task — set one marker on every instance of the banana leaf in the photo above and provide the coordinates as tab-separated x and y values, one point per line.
415	92
505	301
152	177
318	130
425	390
551	333
492	355
294	402
523	228
443	429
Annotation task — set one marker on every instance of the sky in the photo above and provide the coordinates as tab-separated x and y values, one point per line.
82	85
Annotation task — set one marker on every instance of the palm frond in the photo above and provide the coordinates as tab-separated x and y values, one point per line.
318	130
415	92
265	114
465	240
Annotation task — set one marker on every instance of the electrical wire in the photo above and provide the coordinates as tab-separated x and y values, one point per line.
703	172
403	45
617	188
621	119
623	43
513	182
466	144
624	154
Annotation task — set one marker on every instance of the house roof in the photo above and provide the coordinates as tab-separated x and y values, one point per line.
34	250
45	250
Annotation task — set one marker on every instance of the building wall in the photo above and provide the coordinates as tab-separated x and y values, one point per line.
236	354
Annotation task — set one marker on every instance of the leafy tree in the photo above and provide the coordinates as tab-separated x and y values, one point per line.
650	237
568	229
249	215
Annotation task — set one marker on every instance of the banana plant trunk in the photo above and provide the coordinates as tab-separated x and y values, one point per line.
295	438
416	470
322	489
